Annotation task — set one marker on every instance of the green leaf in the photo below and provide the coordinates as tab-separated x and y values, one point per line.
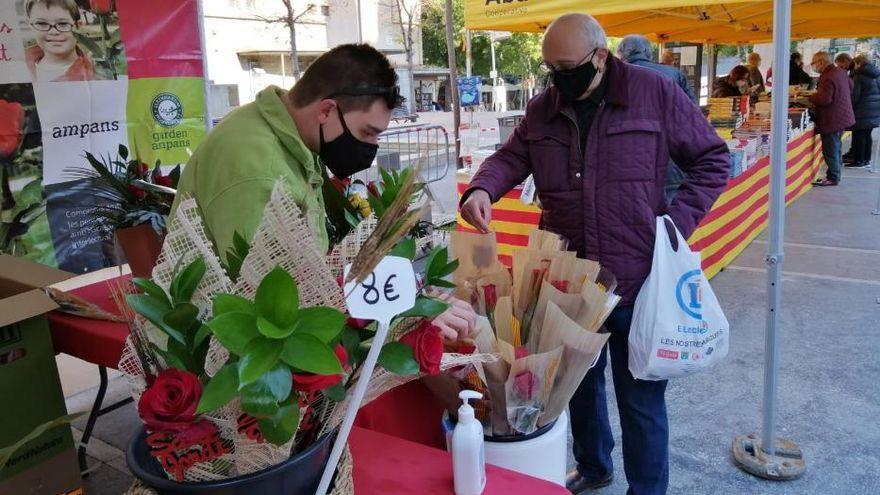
220	390
307	353
202	334
398	358
151	289
427	307
322	323
449	269
230	303
234	330
182	317
260	356
335	393
187	280
405	248
240	245
277	298
171	359
281	427
257	401
351	340
279	381
269	329
436	263
123	152
154	311
439	282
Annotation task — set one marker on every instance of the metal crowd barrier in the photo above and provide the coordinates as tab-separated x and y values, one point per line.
423	147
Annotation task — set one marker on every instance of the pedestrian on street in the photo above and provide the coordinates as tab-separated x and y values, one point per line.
597	143
635	49
667	58
834	112
866	107
845	62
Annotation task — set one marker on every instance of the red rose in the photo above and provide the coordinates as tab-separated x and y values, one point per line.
163	180
138	192
11	123
169	404
427	347
524	385
357	323
520	352
561	285
310	383
372	189
101	6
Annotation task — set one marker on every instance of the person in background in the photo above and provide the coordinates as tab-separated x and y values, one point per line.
667	58
597	143
635	49
736	83
834	112
331	118
756	80
796	74
866	108
56	56
845	62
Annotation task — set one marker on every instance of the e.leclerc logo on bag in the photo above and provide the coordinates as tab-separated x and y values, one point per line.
167	109
689	294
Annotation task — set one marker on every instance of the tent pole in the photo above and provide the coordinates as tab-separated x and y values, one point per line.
453	79
769	457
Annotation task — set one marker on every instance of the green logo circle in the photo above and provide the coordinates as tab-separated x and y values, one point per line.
167	109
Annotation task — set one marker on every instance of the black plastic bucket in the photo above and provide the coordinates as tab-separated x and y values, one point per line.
299	475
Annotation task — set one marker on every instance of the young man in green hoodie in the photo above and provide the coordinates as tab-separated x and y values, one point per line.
332	117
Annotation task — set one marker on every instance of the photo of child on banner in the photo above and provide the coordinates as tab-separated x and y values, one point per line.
543	319
70	40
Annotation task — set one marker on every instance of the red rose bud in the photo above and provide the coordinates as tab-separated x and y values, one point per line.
520	352
524	385
163	180
490	296
138	192
101	7
561	285
11	123
372	189
310	383
170	403
427	347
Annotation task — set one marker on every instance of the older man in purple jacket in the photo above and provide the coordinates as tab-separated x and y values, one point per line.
834	112
597	143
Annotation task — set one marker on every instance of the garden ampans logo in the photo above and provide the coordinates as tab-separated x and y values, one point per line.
689	294
167	109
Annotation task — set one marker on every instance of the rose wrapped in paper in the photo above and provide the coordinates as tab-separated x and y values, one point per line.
427	347
170	403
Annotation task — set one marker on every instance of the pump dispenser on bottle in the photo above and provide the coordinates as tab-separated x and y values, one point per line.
468	456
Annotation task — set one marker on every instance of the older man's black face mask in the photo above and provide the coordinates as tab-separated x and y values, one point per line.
572	83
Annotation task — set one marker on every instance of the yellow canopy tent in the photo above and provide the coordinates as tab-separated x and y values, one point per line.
730	21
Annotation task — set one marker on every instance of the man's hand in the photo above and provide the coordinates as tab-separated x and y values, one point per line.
477	210
457	322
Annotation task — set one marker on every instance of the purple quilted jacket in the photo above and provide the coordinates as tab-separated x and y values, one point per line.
605	199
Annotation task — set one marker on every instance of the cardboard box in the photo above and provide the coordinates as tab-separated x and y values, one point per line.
31	389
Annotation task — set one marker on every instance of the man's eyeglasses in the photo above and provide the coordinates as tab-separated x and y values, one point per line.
390	94
61	27
548	68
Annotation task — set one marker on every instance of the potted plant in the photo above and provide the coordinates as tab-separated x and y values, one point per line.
242	372
136	199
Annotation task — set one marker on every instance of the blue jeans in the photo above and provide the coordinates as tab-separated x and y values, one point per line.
831	151
642	408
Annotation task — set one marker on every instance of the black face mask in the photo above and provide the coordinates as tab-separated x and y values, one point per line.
346	155
572	83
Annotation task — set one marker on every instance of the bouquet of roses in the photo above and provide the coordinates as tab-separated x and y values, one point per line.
238	366
543	319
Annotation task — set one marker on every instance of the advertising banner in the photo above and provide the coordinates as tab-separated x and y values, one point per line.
86	76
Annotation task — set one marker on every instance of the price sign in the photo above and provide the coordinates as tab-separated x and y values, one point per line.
385	293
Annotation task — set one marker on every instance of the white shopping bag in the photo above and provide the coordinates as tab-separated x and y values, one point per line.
678	327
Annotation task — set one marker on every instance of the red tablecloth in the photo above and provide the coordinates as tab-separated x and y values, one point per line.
388	465
98	342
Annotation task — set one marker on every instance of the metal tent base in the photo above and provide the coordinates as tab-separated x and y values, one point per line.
787	464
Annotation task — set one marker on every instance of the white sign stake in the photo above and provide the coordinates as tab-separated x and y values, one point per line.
384	294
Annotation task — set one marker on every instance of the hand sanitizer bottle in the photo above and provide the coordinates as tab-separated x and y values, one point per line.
468	454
